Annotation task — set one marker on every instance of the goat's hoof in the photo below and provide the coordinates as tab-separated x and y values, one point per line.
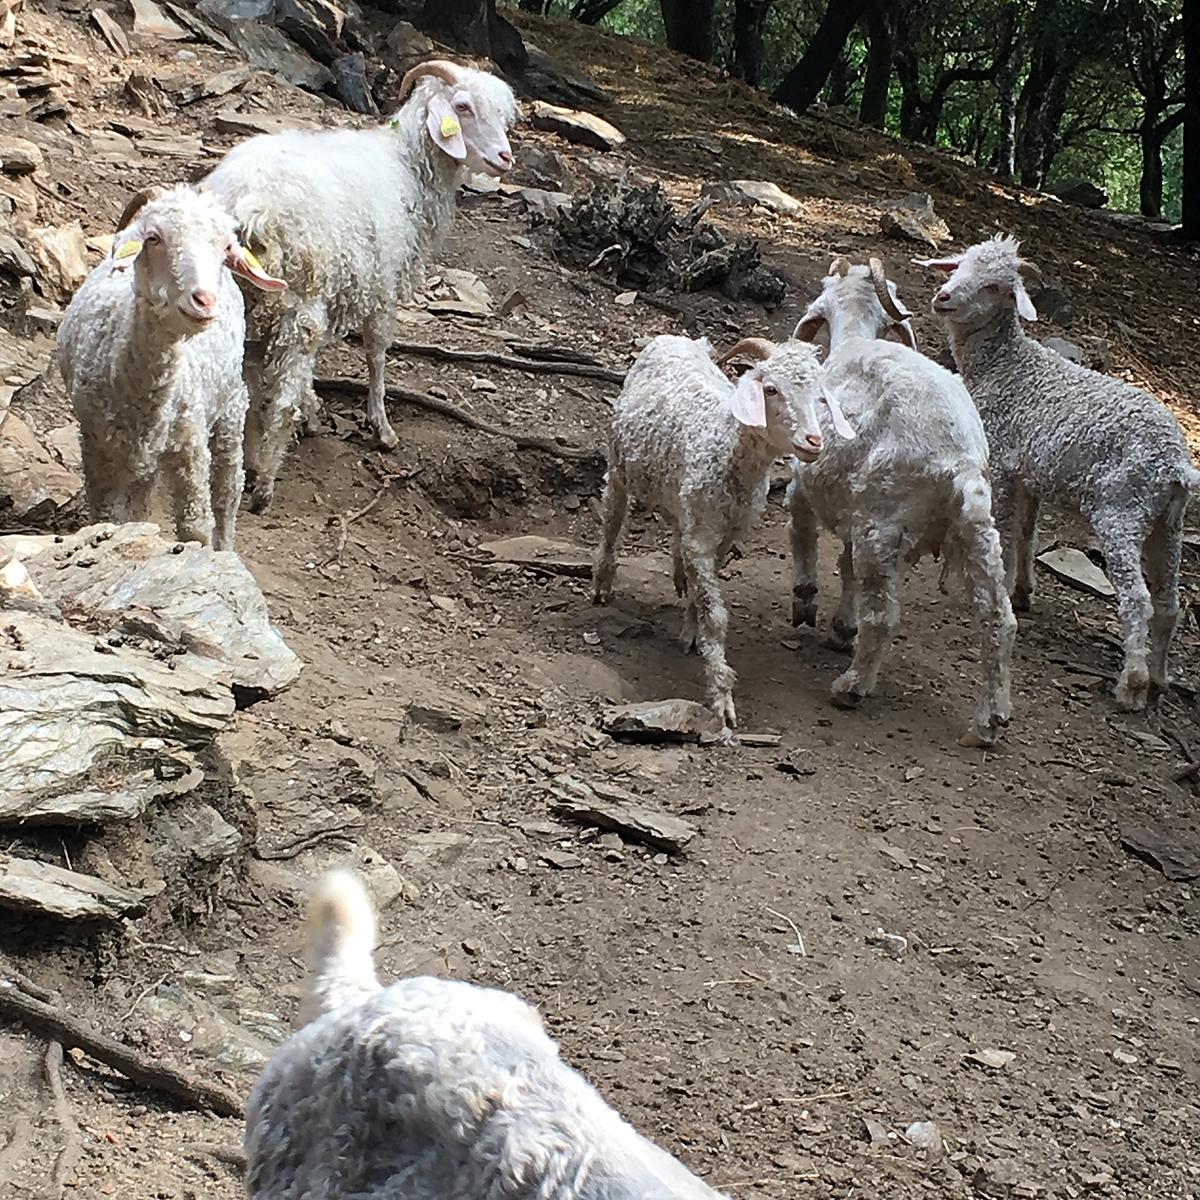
983	734
386	438
804	612
1133	691
260	499
601	596
846	692
841	637
722	706
1022	599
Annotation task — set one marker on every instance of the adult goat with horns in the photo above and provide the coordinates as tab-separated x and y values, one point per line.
351	219
915	481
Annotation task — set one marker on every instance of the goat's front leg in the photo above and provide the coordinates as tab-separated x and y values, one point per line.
613	513
876	559
1121	542
228	478
190	475
802	532
1026	509
377	337
845	620
712	621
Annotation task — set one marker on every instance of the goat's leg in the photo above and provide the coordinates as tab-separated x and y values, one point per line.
1163	554
227	479
1121	542
101	488
977	546
377	337
877	559
615	508
1026	509
679	575
1004	511
712	621
190	475
802	531
845	620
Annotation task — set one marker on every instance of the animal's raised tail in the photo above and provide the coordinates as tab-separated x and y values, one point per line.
341	944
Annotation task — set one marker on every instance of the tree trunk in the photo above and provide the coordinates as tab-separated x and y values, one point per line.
690	27
803	83
749	20
872	109
1006	89
1150	186
592	12
839	82
462	23
1191	119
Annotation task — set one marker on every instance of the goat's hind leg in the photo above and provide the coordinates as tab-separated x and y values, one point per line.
877	558
614	510
377	337
1163	554
976	543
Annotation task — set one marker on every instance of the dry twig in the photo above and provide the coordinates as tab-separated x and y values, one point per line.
69	1154
47	1020
496	359
352	387
345	520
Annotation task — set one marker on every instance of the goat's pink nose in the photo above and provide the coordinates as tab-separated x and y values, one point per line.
204	300
505	156
814	441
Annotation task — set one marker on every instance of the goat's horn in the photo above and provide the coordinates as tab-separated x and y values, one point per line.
137	203
1031	274
755	347
879	280
840	266
439	68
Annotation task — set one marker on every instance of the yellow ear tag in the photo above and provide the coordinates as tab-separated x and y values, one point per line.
450	127
129	250
251	261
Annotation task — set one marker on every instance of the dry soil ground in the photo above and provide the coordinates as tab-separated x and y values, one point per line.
675	984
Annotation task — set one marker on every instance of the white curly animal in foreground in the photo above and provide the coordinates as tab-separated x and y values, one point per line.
431	1089
914	481
1091	445
687	443
351	219
151	350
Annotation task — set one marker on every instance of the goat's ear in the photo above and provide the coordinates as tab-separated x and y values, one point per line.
444	128
903	332
748	404
843	427
125	251
810	324
945	265
241	262
1025	305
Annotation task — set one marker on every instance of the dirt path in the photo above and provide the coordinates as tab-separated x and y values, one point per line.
678	984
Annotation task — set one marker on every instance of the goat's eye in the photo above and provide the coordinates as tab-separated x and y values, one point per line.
770	390
991	287
463	108
152	238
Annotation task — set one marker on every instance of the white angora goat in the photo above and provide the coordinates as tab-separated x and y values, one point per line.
431	1089
151	350
351	218
1089	445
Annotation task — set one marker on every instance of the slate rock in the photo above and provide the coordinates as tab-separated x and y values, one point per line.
203	600
672	720
19	156
54	892
758	192
1074	568
1079	191
913	217
584	128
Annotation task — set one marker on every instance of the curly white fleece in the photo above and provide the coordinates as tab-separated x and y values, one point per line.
432	1089
154	399
351	219
1091	445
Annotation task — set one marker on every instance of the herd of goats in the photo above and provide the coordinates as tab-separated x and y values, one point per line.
441	1089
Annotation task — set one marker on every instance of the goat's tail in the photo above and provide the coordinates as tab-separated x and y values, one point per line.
341	943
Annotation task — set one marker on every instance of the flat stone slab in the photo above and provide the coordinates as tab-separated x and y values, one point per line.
54	892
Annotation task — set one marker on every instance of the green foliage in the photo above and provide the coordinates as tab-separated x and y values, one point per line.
1119	50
